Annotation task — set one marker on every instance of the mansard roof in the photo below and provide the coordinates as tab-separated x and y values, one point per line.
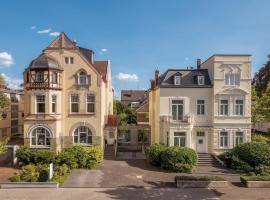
188	78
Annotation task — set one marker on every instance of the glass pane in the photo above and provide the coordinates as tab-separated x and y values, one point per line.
83	137
89	139
180	112
177	101
41	139
174	111
90	107
41	107
179	134
75	139
176	141
182	141
34	139
74	107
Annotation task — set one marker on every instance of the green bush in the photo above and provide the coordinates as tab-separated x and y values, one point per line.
172	157
259	138
28	173
262	170
94	156
43	156
67	158
60	173
43	173
199	178
154	154
179	167
24	155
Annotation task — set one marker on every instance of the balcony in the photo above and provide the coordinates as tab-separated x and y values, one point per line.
187	119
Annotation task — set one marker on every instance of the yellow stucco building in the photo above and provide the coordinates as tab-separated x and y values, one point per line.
207	108
68	97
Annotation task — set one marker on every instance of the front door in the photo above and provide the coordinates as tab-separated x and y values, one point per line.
201	145
110	137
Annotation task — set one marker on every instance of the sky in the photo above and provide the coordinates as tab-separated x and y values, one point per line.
138	37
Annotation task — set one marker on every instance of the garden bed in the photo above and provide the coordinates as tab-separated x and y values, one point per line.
256	181
200	182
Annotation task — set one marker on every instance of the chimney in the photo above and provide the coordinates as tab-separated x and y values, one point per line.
156	77
199	63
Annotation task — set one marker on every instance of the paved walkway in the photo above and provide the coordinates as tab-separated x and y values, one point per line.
134	173
6	173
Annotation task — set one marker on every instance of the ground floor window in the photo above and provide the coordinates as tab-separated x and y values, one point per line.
239	138
180	139
40	136
82	135
223	139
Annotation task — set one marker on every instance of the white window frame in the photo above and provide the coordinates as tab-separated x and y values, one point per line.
237	107
197	105
220	107
177	109
39	102
177	80
179	138
88	133
84	76
46	133
232	81
90	102
228	139
202	80
70	99
70	60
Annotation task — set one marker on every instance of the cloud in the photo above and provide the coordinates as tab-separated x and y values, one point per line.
13	83
33	27
104	50
127	77
44	31
6	59
54	33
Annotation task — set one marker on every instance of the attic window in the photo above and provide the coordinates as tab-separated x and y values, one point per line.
200	80
177	80
69	60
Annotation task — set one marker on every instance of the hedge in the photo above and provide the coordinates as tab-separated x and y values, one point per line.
245	179
178	159
199	178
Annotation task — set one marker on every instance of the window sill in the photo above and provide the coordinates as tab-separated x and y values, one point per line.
82	144
80	114
40	147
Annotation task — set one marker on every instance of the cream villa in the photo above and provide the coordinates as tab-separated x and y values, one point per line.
207	109
68	97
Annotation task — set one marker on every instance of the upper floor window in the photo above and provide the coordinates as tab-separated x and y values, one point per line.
232	79
74	103
177	109
54	103
177	80
224	107
83	79
200	107
90	103
239	138
239	107
39	77
69	60
200	80
40	101
54	77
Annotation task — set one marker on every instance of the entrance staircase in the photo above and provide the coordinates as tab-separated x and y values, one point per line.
205	159
109	152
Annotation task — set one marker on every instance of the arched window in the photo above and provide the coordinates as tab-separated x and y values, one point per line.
82	135
40	136
83	80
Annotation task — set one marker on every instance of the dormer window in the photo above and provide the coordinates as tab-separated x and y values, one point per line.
39	77
177	80
69	60
83	79
200	80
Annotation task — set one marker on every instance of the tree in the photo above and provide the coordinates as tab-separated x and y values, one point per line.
125	114
261	79
4	100
256	115
3	147
264	105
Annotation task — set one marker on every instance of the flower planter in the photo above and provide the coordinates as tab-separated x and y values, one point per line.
201	184
10	185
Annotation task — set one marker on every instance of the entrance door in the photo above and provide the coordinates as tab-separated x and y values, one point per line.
201	145
110	137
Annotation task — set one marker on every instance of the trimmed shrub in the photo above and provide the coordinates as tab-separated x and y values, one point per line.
199	178
245	179
43	156
153	153
94	156
67	158
179	167
262	170
60	173
24	155
173	158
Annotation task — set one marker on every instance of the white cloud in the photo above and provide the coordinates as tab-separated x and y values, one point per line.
13	83
127	77
6	59
104	50
45	31
33	27
54	33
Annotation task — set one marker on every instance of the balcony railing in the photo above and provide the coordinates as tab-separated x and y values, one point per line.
187	119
